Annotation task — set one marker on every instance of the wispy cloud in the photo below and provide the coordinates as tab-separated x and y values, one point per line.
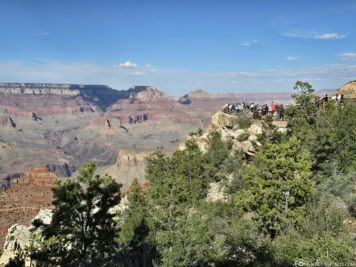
127	64
299	34
177	82
292	58
45	34
148	66
347	56
327	36
249	43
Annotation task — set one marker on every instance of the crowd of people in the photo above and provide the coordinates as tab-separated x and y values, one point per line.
258	111
335	98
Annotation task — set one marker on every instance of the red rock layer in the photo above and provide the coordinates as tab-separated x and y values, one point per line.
43	105
22	202
105	121
4	121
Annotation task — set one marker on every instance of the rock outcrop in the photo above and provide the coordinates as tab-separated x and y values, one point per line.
25	198
129	165
18	236
199	93
348	90
61	170
145	93
7	121
222	119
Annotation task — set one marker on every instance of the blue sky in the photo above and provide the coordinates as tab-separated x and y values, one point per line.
178	46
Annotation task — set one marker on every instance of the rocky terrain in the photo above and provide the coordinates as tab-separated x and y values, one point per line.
30	195
348	90
63	126
23	201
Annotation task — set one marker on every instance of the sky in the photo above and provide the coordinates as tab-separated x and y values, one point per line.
180	45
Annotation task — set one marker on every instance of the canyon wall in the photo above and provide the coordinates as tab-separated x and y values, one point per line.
25	198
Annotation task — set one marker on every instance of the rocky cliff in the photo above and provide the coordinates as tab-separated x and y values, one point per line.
18	237
129	165
25	198
348	90
23	99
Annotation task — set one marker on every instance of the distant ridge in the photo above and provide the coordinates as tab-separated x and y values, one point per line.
53	86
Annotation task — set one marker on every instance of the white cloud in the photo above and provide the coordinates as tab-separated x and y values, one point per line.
45	34
292	58
330	36
177	82
153	70
127	64
347	56
249	43
148	66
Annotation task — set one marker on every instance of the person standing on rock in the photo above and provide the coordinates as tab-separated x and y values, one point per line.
325	100
271	109
281	112
278	109
265	109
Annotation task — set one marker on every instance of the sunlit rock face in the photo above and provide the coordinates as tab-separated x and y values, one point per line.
22	202
349	91
24	99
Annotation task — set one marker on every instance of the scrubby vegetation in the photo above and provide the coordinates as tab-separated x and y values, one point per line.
293	203
243	137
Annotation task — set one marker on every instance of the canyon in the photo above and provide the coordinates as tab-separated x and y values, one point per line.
63	126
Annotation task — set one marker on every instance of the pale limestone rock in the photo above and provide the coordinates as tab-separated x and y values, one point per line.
121	207
348	90
222	119
216	192
245	146
17	238
45	216
254	129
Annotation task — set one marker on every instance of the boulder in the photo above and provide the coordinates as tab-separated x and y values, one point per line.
17	238
222	119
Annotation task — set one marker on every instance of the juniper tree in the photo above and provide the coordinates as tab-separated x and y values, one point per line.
277	185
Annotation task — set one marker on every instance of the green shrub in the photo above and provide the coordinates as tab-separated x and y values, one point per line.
243	137
244	122
200	132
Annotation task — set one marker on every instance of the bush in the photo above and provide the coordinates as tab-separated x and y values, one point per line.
200	132
243	137
244	122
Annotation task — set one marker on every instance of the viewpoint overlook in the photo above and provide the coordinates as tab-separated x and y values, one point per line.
61	127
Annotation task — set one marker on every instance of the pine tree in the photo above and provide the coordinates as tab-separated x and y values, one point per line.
82	231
